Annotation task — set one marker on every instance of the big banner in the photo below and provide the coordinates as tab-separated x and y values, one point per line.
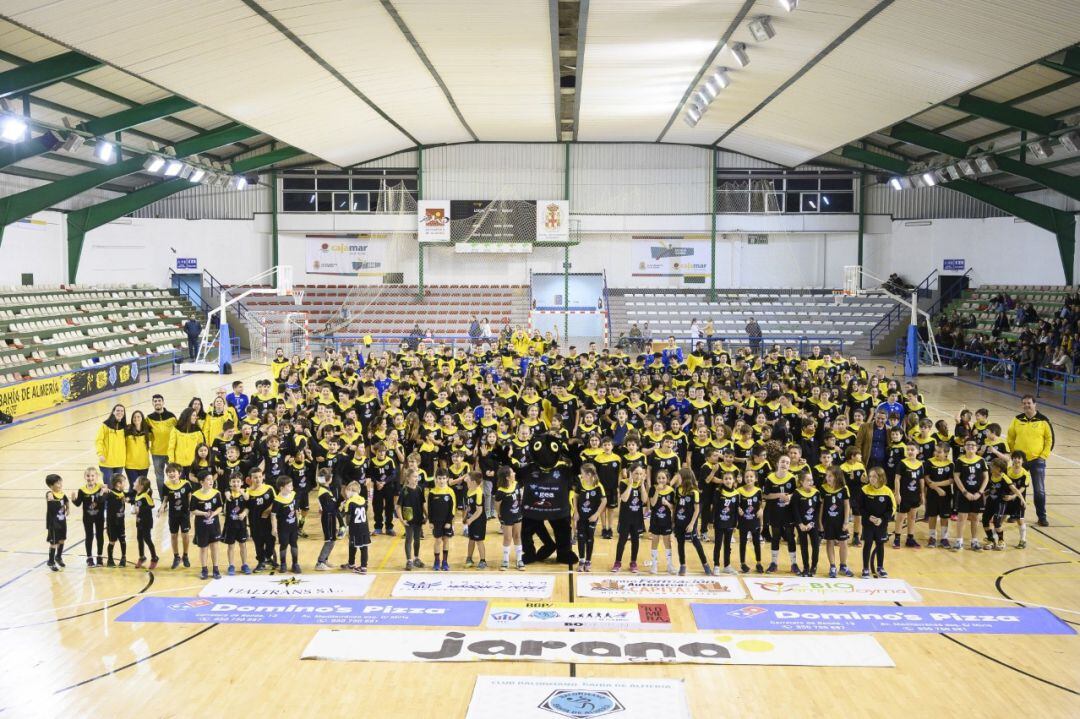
433	221
670	256
359	257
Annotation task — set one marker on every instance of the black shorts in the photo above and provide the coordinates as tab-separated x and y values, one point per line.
179	523
359	535
750	527
994	507
833	530
631	524
661	527
938	505
871	533
115	530
288	535
1014	510
969	506
511	521
56	533
584	529
459	496
477	531
302	499
235	531
442	531
611	492
855	497
207	534
908	503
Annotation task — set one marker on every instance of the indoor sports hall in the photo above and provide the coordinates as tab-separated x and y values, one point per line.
647	359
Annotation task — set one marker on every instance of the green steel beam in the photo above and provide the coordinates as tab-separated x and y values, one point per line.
23	204
45	72
89	218
136	115
267	158
1065	184
874	159
1007	115
915	135
1070	64
19	151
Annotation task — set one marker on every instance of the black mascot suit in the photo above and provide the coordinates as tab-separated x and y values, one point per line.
547	501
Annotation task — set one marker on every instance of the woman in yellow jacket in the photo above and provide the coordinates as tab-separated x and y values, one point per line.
110	444
219	414
186	436
137	444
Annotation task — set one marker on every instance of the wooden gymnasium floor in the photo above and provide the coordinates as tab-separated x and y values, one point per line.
63	655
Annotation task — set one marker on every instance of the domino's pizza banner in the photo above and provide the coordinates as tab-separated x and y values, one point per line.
883	618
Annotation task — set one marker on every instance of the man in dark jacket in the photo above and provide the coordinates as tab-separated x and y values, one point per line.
192	329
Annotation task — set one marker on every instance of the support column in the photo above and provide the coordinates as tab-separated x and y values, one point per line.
712	225
274	248
419	245
566	248
862	222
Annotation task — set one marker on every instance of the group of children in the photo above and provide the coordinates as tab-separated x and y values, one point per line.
694	448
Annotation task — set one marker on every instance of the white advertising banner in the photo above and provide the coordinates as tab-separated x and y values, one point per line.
433	220
811	589
525	586
565	647
548	615
547	697
283	585
552	220
669	256
623	586
359	257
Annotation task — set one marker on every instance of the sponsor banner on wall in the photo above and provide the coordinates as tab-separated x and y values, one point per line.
33	396
318	612
356	256
547	697
810	589
433	220
548	615
646	587
670	255
883	618
326	585
529	586
552	220
565	647
95	380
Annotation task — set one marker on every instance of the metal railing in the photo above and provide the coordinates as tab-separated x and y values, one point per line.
945	298
1046	378
988	367
895	316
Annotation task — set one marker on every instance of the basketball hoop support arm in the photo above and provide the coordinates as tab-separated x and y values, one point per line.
282	274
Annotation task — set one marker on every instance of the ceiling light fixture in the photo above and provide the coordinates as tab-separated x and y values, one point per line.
761	28
185	171
986	164
154	163
1041	149
929	178
1070	140
173	168
967	167
239	182
197	174
738	51
13	128
896	184
789	5
721	78
953	171
103	150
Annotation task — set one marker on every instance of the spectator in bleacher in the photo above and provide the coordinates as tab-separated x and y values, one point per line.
635	337
1001	324
695	331
710	333
192	329
486	333
753	333
474	330
111	445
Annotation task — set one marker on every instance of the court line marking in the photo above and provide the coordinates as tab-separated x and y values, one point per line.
104	600
996	599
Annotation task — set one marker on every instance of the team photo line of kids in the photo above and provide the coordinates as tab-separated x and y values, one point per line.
784	450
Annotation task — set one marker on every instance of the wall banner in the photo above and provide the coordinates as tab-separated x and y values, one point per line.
359	257
95	380
433	221
552	220
33	395
670	256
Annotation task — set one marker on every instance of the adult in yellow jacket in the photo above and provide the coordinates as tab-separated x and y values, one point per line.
137	447
161	422
1031	433
110	444
216	417
186	436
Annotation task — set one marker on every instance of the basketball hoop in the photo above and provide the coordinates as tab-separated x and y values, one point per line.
852	281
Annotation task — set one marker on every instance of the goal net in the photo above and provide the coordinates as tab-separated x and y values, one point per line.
395	199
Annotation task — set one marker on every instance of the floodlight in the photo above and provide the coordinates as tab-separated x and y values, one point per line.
738	51
761	28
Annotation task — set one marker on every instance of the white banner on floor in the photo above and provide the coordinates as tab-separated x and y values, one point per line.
623	586
564	647
547	697
290	585
522	586
548	615
812	589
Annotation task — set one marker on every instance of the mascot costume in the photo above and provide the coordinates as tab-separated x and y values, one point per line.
547	501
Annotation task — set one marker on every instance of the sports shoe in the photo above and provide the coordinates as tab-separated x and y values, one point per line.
588	566
758	569
390	532
795	569
60	562
988	546
53	567
520	565
832	571
708	570
245	569
217	574
504	565
139	564
617	566
153	563
1000	546
896	541
416	562
771	568
633	567
123	562
1044	523
975	544
845	571
204	574
322	567
376	531
111	563
176	561
90	562
469	563
958	546
435	566
260	566
912	542
295	568
655	568
682	570
932	542
445	566
672	569
361	570
882	574
729	570
580	566
482	564
744	568
231	571
185	560
865	574
1021	544
944	543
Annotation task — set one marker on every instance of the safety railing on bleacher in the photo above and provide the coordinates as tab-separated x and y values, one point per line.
986	367
382	343
1051	380
897	314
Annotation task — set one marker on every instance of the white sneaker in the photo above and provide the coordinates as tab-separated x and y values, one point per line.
504	566
521	565
322	567
654	568
730	570
672	569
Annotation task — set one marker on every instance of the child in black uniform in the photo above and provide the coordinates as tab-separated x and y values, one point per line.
834	518
632	500
508	505
688	508
878	508
410	510
260	503
236	511
662	521
144	522
1015	508
939	495
441	502
355	513
970	478
807	507
725	519
287	520
206	507
910	492
751	505
115	511
177	499
999	492
328	515
91	497
56	513
475	521
589	502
